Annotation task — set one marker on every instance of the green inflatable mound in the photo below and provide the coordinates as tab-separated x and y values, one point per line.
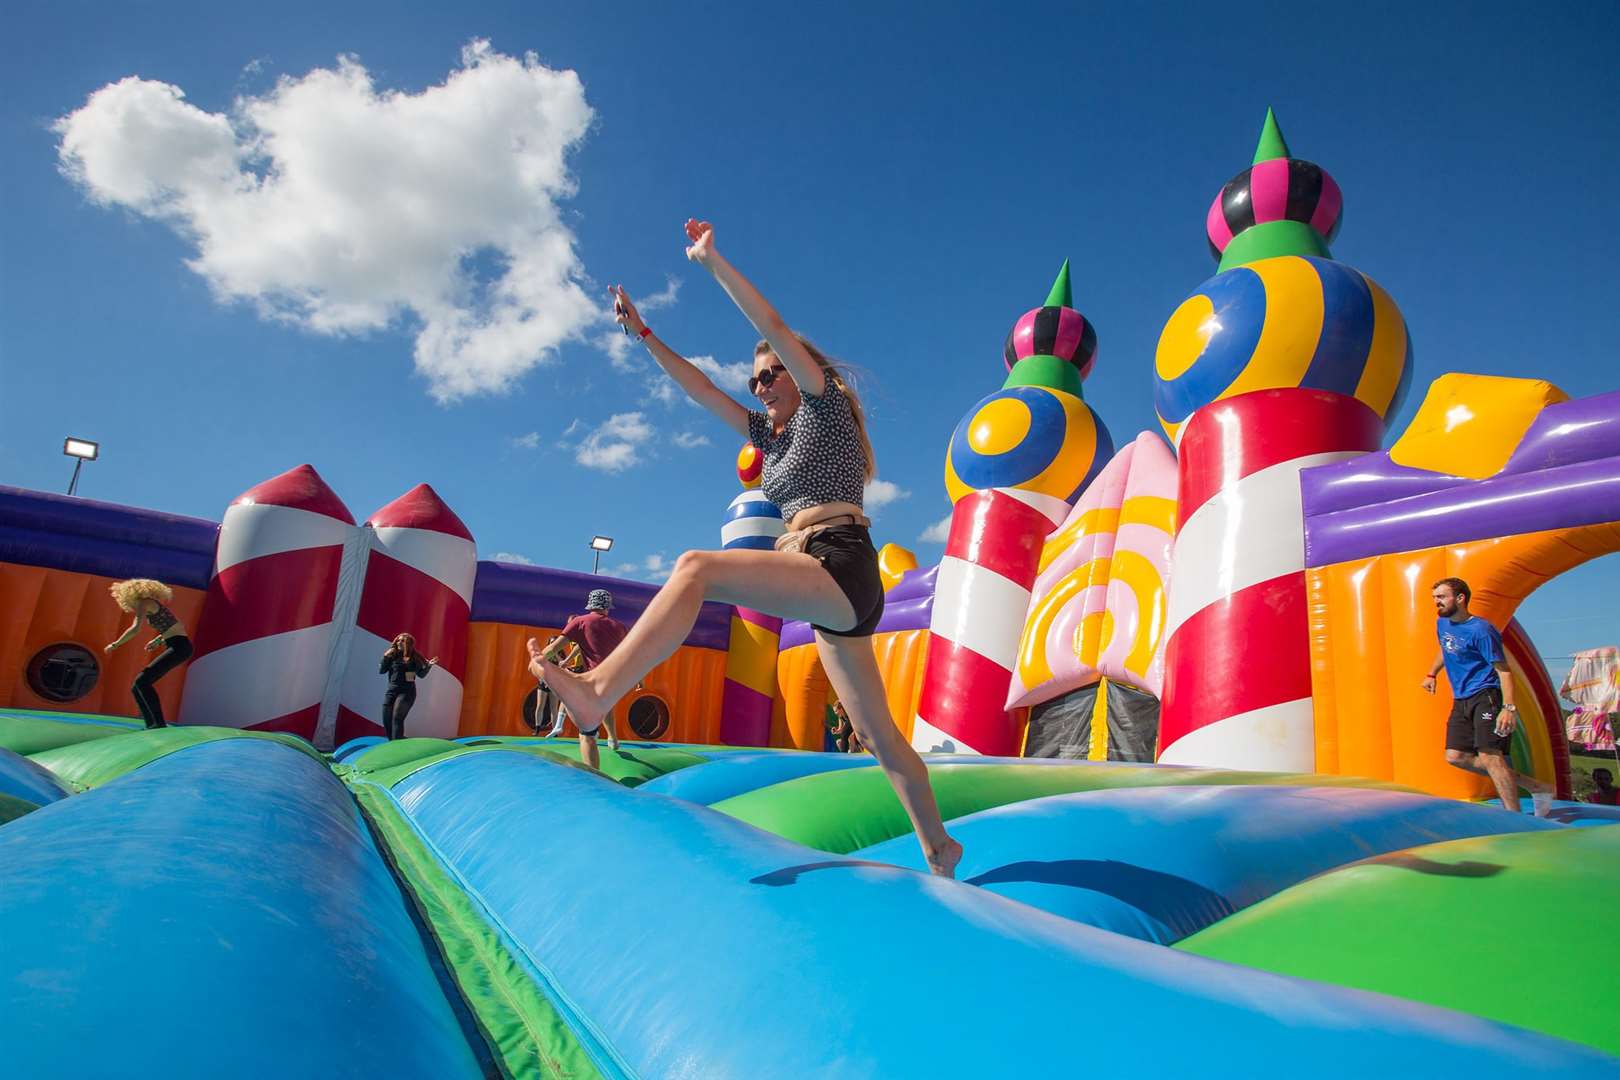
844	811
1484	926
90	764
632	765
23	731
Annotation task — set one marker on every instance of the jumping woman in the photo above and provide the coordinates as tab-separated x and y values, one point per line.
824	570
403	665
145	598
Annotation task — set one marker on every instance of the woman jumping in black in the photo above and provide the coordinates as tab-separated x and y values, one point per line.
145	599
812	431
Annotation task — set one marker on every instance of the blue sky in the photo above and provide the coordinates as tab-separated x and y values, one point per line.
902	181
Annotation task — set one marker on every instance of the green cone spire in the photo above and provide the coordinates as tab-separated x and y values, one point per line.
1061	295
1271	144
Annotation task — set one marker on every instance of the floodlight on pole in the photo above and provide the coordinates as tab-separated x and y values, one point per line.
599	544
81	450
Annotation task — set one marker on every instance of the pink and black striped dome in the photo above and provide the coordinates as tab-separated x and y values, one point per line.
1053	331
1282	189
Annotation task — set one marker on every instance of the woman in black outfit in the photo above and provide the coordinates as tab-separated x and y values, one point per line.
403	665
145	599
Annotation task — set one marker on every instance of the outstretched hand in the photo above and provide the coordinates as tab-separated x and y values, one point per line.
624	312
702	248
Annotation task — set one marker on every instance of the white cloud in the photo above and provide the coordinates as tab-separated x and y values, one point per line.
344	209
531	441
732	378
663	298
615	446
880	493
653	568
686	440
509	557
938	532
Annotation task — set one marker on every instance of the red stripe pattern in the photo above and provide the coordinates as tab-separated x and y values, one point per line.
401	599
964	693
1249	649
253	599
1235	437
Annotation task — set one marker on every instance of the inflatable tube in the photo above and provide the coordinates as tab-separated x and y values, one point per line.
842	812
91	764
1397	921
173	924
104	539
1162	864
29	781
23	731
836	991
738	773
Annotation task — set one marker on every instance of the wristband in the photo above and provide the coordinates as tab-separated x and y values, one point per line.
645	330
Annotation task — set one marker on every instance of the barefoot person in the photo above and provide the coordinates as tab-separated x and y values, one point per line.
403	665
1479	734
145	599
824	571
593	636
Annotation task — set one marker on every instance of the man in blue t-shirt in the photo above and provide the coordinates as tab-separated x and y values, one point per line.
1479	734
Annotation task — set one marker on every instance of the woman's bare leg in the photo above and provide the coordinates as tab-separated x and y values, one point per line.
792	585
588	753
852	668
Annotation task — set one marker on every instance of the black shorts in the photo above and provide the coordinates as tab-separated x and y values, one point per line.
1472	727
847	553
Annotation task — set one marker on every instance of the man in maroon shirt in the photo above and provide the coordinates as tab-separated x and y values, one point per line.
595	634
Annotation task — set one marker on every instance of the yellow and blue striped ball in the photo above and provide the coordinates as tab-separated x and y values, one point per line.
1288	321
1028	437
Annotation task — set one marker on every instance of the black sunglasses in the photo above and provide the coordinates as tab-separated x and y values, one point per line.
765	378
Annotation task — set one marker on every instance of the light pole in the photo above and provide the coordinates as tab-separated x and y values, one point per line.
82	450
599	544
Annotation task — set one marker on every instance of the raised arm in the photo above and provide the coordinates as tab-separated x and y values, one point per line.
770	324
697	385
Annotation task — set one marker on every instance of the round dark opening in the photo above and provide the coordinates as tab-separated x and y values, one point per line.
63	672
649	717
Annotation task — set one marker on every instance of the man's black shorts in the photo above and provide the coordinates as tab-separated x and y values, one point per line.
1472	727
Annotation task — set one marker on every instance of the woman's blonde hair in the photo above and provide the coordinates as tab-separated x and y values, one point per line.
128	594
841	379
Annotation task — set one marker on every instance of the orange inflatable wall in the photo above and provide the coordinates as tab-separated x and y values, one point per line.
43	607
498	680
1372	638
799	720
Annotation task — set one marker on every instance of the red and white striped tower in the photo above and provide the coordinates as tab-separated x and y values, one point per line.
264	638
1237	685
418	579
981	598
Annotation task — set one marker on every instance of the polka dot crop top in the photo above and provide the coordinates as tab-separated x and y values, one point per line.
817	458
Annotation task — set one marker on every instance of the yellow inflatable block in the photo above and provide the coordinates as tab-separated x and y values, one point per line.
894	561
1469	425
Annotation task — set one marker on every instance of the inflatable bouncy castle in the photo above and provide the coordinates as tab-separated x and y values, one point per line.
1167	689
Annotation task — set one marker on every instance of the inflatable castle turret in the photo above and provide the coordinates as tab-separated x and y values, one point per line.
1284	360
302	603
752	522
1015	465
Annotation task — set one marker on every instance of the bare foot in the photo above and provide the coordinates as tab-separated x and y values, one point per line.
534	660
584	706
943	862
